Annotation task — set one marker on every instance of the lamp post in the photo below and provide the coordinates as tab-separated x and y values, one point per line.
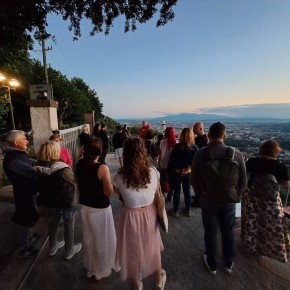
12	83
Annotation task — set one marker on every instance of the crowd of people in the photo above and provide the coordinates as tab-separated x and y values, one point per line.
218	174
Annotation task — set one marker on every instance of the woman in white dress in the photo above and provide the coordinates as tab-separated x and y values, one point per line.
99	236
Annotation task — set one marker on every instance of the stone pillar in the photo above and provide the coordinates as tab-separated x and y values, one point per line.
43	120
89	118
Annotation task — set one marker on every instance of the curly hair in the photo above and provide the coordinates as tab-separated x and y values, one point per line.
136	171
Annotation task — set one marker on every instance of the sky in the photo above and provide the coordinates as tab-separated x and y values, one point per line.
214	54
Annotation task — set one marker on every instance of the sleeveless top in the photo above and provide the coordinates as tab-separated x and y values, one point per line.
90	186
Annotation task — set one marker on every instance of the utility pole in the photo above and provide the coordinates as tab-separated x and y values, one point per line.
44	56
41	36
44	60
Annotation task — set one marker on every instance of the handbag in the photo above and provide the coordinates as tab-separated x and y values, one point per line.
159	201
165	186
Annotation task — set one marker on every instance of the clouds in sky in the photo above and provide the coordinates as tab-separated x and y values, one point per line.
214	54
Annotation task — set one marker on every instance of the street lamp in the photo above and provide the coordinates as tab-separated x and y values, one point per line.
12	83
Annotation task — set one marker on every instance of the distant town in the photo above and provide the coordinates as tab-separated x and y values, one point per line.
245	135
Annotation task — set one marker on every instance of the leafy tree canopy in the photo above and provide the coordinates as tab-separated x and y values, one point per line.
18	16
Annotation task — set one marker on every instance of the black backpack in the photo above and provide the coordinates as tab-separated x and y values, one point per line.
222	178
54	191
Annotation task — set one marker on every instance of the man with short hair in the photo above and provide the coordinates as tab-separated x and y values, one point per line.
19	169
143	130
218	211
201	140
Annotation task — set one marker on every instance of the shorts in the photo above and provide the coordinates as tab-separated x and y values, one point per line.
119	152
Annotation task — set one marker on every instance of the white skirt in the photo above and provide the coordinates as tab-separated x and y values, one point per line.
99	241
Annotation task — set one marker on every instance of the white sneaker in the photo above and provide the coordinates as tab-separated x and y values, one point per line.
212	271
161	285
229	270
76	248
53	250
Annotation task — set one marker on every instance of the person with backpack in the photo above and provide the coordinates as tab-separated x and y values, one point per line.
219	177
263	225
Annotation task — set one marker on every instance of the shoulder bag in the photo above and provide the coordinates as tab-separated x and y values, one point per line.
159	201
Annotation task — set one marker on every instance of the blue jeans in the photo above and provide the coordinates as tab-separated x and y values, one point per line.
68	215
222	216
176	181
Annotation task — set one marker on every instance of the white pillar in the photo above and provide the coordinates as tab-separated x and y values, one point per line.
43	120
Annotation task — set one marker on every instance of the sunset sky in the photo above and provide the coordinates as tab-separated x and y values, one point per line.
214	53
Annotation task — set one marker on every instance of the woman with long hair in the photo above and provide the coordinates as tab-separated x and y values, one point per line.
166	147
95	189
179	169
264	228
139	243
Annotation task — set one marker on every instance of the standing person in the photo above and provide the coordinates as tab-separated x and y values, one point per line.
201	138
56	193
264	228
96	129
218	194
151	149
64	154
85	134
95	189
102	134
18	167
139	243
166	147
119	139
179	169
126	131
143	130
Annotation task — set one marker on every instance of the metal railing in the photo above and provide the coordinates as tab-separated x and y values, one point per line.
70	141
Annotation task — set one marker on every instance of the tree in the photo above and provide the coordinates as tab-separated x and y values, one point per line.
4	108
18	16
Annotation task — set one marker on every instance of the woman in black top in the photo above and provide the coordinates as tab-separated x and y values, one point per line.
179	169
95	187
264	229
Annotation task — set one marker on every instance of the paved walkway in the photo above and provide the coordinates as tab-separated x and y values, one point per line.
182	259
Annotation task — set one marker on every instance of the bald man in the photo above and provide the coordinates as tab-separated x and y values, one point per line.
201	139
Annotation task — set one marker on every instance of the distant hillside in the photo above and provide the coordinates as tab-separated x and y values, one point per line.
183	117
190	117
255	113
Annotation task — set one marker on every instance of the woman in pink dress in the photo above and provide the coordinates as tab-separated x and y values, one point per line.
139	243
